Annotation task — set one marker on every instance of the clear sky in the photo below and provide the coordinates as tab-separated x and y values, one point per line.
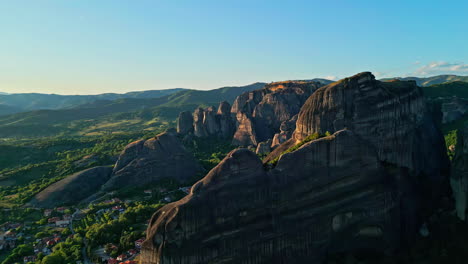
96	46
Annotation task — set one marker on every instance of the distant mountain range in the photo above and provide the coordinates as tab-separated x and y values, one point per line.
428	81
53	122
21	102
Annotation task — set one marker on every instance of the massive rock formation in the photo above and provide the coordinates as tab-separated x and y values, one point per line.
369	186
146	161
185	123
207	122
392	116
255	116
72	189
261	113
459	177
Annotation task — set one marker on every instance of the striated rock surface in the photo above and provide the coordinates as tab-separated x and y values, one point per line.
226	122
146	161
72	189
356	189
392	116
459	176
185	123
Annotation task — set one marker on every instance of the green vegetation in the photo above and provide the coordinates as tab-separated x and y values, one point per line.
209	151
118	116
48	160
309	138
449	89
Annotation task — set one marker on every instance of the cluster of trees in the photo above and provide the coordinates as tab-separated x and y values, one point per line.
121	230
47	160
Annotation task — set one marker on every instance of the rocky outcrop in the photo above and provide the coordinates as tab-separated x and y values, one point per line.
255	116
185	123
337	193
147	161
208	122
459	177
286	130
261	113
72	189
226	122
392	116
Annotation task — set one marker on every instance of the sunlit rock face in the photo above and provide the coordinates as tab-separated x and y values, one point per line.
354	189
459	177
260	114
392	116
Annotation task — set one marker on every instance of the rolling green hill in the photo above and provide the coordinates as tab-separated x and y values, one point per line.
449	89
121	115
14	103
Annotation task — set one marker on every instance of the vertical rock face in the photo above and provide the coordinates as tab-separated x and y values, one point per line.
185	123
286	130
198	126
459	177
147	161
208	122
393	117
226	122
261	113
343	192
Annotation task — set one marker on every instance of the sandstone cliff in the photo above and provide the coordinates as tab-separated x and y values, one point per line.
368	185
146	161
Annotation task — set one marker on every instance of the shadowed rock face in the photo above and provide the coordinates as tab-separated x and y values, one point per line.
342	192
240	213
459	177
261	113
147	161
72	189
185	123
208	122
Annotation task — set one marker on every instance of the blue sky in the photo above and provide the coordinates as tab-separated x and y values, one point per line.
96	46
